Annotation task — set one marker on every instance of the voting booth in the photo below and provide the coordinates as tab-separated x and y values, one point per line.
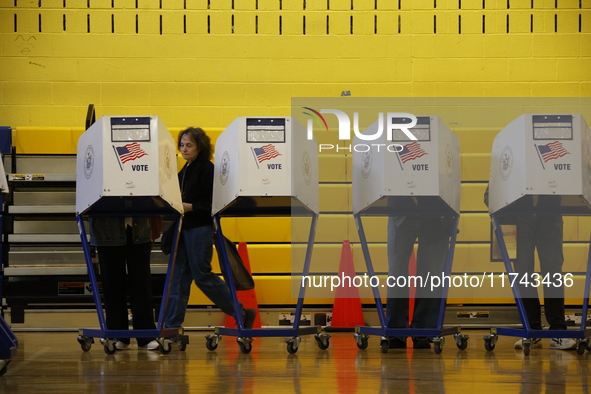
540	164
127	164
541	154
126	167
265	166
399	176
428	169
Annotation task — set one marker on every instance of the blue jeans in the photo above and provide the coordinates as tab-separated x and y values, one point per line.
193	262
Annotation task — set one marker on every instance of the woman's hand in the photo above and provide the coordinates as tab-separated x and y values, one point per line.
187	207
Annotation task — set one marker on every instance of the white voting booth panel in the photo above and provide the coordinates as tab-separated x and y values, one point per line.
428	169
262	157
542	154
127	156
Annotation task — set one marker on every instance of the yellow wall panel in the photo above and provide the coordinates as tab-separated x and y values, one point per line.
335	197
172	22
28	93
473	197
332	168
292	5
387	23
13	68
422	23
572	69
471	22
472	4
563	45
244	23
244	4
48	140
291	23
339	5
475	166
268	23
421	5
339	23
70	93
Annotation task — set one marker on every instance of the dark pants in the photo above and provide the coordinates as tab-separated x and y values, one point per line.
433	235
125	271
544	233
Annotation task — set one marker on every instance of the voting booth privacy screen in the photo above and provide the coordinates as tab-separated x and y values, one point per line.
541	155
265	166
428	168
127	164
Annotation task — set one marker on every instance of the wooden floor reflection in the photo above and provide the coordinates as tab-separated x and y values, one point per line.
49	362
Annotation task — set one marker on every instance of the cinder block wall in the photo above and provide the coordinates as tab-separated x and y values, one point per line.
205	62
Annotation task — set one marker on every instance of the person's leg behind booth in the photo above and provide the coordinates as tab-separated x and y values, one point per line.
402	232
524	264
434	238
199	242
114	285
180	287
549	243
139	279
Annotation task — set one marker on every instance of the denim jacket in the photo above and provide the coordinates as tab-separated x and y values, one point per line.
111	231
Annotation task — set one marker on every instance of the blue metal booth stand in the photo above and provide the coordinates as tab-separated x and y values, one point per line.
418	179
265	167
126	167
540	165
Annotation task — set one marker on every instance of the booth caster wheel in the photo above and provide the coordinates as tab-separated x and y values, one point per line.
526	347
165	345
362	341
490	340
182	342
461	341
109	346
438	343
293	344
85	342
581	346
4	366
245	344
384	345
212	341
322	340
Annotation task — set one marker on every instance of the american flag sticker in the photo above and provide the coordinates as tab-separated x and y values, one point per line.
265	152
411	151
128	152
551	151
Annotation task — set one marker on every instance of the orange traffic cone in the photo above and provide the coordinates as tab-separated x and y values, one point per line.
346	312
248	298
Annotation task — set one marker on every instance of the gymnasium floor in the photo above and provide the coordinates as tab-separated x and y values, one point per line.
53	362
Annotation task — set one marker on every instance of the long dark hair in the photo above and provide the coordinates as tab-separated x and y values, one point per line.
201	139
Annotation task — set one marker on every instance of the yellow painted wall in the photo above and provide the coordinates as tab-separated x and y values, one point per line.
205	62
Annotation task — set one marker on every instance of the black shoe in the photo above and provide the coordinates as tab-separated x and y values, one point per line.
421	343
396	343
248	318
